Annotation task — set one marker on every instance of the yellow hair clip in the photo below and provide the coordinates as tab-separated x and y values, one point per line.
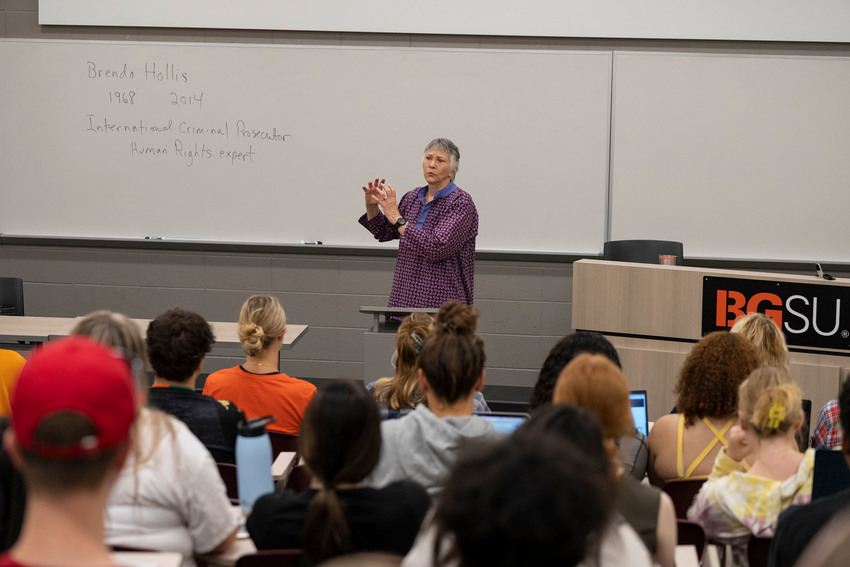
775	416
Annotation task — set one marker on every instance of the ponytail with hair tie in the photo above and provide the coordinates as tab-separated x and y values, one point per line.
775	416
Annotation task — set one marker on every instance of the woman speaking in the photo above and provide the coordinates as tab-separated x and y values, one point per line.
436	226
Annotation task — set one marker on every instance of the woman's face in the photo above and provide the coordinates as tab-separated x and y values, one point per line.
437	168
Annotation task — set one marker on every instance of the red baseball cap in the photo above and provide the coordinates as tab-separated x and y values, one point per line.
76	375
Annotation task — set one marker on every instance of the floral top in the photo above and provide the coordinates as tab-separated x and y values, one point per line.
734	505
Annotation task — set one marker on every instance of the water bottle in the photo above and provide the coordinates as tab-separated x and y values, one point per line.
253	461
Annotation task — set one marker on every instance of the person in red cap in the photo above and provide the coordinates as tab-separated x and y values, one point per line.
72	411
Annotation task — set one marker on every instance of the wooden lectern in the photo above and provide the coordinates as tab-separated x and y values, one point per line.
654	314
379	340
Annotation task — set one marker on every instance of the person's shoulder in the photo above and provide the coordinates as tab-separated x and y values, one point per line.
817	512
298	383
637	492
190	447
223	374
406	495
283	500
663	431
411	194
807	464
224	408
404	489
460	197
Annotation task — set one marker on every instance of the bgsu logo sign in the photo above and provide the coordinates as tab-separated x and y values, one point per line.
809	315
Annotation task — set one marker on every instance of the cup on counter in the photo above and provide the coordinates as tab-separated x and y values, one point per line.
667	259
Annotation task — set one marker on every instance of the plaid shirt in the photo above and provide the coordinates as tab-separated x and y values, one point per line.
828	431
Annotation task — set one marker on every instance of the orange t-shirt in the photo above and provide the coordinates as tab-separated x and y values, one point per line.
257	395
11	364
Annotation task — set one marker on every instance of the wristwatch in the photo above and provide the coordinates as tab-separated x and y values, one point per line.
399	223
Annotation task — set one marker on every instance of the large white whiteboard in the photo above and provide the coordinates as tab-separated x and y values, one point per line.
737	156
759	20
309	126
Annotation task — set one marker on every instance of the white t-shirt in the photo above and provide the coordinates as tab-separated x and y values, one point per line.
175	500
620	545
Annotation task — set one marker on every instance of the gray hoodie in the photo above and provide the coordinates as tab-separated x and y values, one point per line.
422	447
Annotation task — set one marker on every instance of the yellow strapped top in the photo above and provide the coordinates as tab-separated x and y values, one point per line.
719	437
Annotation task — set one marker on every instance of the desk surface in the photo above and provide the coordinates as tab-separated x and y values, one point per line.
41	329
147	559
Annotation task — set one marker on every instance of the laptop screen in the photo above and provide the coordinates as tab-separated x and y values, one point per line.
639	410
504	423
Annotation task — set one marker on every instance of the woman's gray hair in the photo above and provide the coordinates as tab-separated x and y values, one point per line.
446	145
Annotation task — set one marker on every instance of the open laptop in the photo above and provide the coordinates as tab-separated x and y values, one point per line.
637	398
504	422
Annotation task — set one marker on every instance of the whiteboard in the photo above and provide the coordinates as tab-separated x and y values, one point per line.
737	156
749	20
271	144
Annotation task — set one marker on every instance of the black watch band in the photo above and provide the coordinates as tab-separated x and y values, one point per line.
399	223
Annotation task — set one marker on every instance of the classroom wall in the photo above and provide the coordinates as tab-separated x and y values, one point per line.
525	307
525	304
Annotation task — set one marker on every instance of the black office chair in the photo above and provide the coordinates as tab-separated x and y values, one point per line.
644	251
12	296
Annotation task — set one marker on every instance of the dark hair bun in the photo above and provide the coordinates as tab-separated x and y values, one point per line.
457	318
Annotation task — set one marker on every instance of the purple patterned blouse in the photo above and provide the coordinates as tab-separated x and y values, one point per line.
436	254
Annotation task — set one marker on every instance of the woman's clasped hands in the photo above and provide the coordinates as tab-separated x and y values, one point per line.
379	193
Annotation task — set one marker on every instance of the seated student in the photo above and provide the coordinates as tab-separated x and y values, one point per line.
631	447
618	544
684	445
422	445
257	385
828	433
177	342
595	383
10	366
169	495
766	337
798	525
340	443
12	490
517	503
72	412
400	393
735	503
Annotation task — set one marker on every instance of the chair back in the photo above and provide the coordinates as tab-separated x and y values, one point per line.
299	479
228	475
12	296
282	442
271	558
691	533
803	436
831	473
682	492
644	251
758	551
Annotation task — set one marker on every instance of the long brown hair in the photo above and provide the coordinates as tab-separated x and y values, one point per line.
402	390
453	356
340	443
